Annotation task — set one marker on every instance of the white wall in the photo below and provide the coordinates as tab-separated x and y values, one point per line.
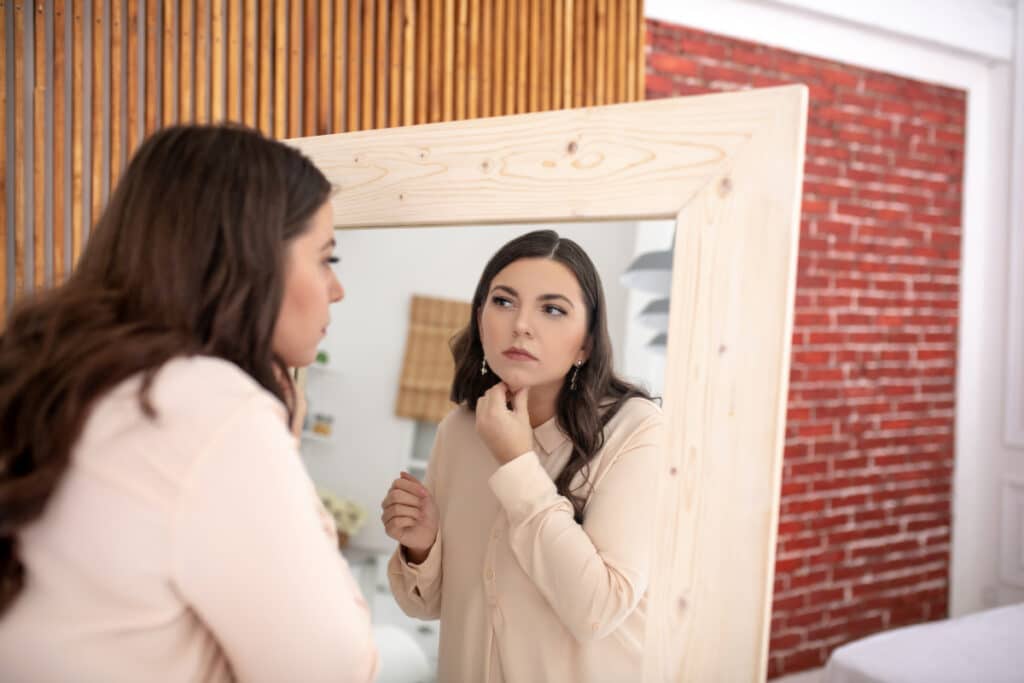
380	270
967	45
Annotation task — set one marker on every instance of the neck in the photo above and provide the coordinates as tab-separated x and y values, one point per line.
543	403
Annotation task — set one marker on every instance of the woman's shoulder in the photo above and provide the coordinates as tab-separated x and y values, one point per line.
636	414
213	381
458	422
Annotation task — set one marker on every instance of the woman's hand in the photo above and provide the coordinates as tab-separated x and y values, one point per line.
410	516
506	433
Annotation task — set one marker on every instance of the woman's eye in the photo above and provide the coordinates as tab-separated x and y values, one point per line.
331	260
501	301
554	310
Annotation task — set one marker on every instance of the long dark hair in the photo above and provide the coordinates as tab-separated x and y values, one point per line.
187	258
600	393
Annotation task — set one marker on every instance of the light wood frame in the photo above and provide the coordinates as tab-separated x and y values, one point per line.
728	168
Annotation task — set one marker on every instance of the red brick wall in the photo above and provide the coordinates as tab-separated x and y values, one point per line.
866	496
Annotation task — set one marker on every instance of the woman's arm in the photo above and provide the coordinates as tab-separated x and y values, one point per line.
417	585
253	561
593	575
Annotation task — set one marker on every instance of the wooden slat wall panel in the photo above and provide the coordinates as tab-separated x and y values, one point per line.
290	67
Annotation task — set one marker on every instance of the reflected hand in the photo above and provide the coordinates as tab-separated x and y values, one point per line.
410	516
506	432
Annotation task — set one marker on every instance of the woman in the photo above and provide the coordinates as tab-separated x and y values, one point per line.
157	523
530	538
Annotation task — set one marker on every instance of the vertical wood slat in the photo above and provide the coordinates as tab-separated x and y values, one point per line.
234	46
203	55
117	100
436	90
59	147
280	69
39	97
186	70
96	151
310	57
295	69
569	58
555	67
250	82
3	168
461	38
77	127
637	32
170	68
263	109
338	92
381	70
152	114
500	29
368	35
409	19
133	33
486	56
466	58
395	47
354	39
20	236
523	34
448	91
325	38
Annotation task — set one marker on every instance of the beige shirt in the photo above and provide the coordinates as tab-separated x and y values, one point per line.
186	548
524	593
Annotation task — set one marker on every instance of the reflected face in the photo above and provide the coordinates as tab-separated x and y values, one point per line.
310	288
533	323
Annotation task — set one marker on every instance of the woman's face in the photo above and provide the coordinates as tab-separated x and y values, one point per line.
310	287
533	323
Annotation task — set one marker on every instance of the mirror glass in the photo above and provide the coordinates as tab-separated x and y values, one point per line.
355	444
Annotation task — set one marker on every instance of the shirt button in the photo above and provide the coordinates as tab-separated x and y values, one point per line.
490	575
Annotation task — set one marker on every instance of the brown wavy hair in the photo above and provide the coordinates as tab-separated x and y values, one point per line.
187	258
600	394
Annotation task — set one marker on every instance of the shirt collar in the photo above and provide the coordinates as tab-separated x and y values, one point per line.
549	435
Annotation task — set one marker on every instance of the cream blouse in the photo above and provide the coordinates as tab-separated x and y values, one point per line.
190	547
523	592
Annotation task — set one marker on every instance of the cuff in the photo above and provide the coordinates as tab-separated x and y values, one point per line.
523	487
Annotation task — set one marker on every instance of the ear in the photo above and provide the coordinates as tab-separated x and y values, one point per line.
585	351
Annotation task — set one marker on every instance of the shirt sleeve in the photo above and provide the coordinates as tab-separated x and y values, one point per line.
253	560
592	575
417	587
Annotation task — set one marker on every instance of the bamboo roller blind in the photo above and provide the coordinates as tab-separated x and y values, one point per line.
428	369
90	78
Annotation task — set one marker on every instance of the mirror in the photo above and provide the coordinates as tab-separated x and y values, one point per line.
726	171
356	444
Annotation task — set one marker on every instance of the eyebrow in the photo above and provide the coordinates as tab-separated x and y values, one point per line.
542	297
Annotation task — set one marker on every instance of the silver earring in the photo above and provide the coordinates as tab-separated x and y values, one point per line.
483	366
575	373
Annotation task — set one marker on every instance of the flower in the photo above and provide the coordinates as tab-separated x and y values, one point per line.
348	515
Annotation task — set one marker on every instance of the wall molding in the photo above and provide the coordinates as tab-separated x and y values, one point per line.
1012	564
1014	404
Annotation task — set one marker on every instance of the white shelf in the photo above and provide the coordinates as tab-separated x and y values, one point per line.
313	436
323	369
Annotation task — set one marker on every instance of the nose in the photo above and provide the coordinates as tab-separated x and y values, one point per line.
336	292
522	325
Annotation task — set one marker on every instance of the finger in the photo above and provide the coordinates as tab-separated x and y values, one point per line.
402	497
411	484
520	401
397	528
394	512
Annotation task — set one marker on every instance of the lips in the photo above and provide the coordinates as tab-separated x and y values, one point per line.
518	354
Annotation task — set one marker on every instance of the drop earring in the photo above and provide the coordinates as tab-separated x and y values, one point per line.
483	366
575	374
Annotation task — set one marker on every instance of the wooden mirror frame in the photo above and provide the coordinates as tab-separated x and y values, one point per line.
728	168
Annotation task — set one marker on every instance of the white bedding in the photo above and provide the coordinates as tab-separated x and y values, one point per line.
986	647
